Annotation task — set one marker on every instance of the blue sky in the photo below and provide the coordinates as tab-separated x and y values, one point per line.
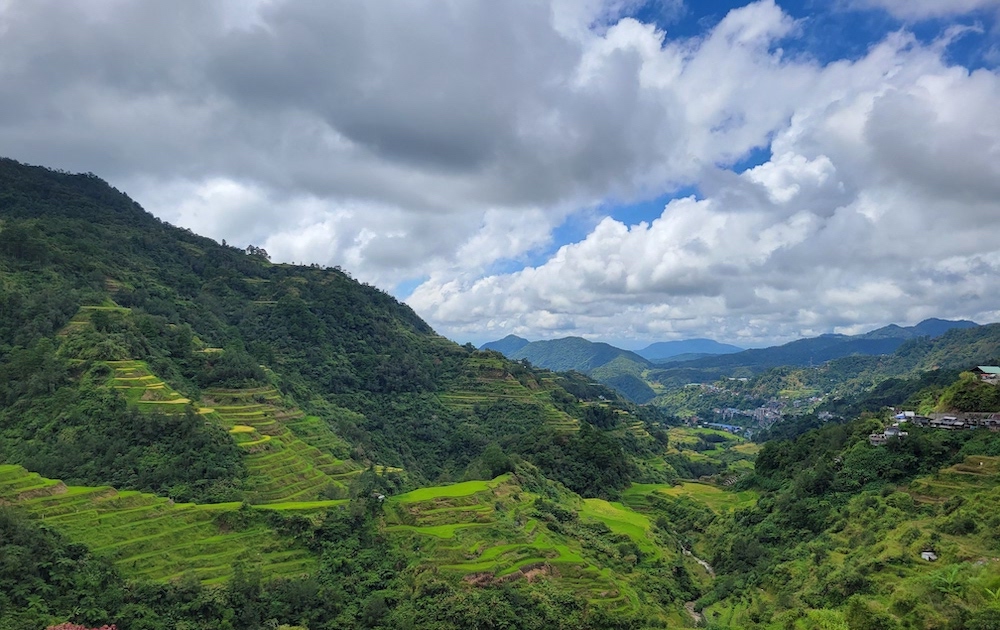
828	32
751	172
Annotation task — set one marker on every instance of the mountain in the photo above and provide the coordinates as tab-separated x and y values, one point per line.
193	435
88	276
928	328
817	350
573	353
617	368
656	352
506	346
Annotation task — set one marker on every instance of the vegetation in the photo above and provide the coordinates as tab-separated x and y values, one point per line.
192	436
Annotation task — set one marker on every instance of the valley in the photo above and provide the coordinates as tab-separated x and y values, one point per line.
193	436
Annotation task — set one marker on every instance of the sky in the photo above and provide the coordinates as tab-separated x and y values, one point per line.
620	170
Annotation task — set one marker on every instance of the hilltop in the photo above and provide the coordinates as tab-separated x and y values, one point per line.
659	351
189	419
506	346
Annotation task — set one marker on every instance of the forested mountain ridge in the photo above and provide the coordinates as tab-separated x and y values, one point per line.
507	345
327	342
648	374
816	350
194	413
192	436
619	369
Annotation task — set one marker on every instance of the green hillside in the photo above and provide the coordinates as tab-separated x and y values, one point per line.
619	369
192	436
198	417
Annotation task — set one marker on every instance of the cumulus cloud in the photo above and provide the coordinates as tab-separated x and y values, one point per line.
924	9
447	140
878	204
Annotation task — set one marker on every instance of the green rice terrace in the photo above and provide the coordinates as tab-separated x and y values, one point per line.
150	536
142	388
492	532
486	381
290	455
919	552
479	532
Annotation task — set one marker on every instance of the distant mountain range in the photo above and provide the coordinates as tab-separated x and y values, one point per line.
657	352
630	372
817	350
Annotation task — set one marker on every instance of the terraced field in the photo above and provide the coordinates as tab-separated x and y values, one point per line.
487	533
977	472
715	498
486	382
289	454
292	467
82	318
150	536
140	387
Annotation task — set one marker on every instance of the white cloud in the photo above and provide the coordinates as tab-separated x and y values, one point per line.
923	9
879	204
444	140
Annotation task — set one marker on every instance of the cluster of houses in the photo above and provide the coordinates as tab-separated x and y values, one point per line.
947	422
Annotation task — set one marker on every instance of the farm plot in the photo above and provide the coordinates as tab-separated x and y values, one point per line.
486	382
715	498
135	381
153	537
289	454
484	532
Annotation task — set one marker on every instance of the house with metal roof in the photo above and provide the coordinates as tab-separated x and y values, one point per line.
988	373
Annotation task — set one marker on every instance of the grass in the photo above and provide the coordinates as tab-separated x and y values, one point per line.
621	520
463	489
486	381
290	455
447	530
715	498
153	537
140	387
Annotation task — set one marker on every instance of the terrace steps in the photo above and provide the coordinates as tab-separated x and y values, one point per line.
153	537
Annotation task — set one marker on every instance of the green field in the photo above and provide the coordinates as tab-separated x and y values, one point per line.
153	537
485	381
289	454
455	490
884	537
718	499
142	388
292	465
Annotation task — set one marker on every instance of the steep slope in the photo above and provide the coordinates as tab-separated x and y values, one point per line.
619	369
197	414
846	526
89	278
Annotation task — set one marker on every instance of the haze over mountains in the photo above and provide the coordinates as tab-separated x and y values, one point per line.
690	348
626	370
